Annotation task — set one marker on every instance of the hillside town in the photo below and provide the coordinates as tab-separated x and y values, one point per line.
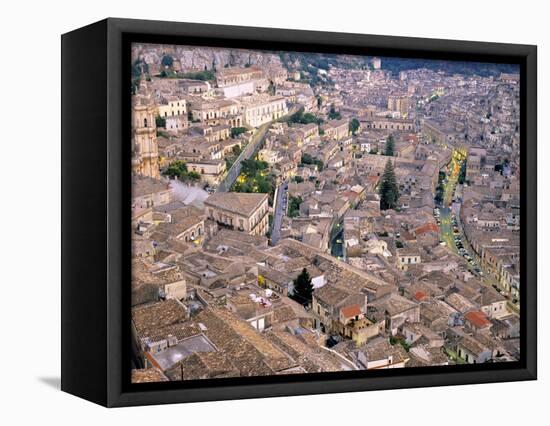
303	213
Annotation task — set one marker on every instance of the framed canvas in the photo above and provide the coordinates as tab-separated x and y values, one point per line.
254	212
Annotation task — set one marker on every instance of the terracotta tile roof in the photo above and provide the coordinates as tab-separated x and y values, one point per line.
428	227
351	311
478	319
420	295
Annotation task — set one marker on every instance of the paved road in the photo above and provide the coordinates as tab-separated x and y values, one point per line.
337	248
447	234
454	169
279	212
446	228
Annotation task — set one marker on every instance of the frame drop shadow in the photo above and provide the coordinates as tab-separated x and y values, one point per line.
53	382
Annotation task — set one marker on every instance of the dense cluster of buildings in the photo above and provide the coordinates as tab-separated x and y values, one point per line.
213	279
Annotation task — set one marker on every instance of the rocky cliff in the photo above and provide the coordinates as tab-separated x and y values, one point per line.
192	58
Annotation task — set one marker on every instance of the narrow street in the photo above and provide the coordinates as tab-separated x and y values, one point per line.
456	241
451	232
337	242
279	208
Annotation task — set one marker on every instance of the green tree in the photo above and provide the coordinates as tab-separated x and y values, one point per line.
271	89
294	206
236	150
160	121
390	146
139	67
319	101
263	185
194	176
354	125
439	194
251	167
307	159
303	288
462	173
333	114
206	75
176	169
167	61
236	131
307	118
388	189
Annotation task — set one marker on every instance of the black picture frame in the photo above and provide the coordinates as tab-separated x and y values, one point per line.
96	215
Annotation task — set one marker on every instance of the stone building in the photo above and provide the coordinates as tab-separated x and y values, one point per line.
399	103
172	106
148	192
261	109
336	129
231	76
211	170
406	257
386	123
218	111
241	211
144	134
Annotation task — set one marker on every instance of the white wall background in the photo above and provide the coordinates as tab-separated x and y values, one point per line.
30	200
